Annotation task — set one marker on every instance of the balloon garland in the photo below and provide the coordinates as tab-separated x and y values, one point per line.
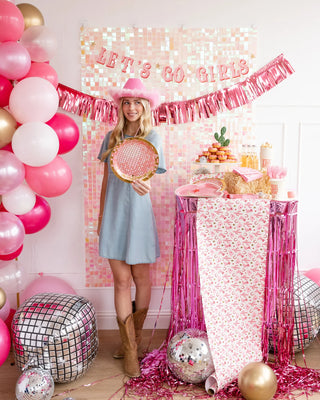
32	133
179	112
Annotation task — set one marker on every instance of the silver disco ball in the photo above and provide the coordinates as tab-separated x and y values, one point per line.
35	384
189	357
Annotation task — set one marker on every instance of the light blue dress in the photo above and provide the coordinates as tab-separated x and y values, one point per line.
128	229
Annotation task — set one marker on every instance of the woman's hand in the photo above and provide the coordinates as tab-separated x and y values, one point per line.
141	187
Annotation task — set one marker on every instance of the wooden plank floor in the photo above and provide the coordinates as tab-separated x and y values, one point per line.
106	373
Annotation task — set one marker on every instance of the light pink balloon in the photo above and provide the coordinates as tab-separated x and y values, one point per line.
11	233
40	43
12	171
5	310
15	60
43	70
35	143
46	284
11	21
50	180
33	99
20	200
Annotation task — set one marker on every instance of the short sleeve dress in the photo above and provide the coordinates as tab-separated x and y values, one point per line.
128	228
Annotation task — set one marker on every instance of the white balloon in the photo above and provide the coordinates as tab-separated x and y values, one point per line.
40	42
35	143
33	99
19	200
12	276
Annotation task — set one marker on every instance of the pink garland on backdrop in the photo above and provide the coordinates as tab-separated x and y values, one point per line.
157	381
179	112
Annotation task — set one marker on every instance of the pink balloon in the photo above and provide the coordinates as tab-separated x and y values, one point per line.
11	233
40	42
314	275
11	21
43	70
12	171
15	60
50	180
5	310
5	342
13	255
67	131
33	100
5	91
38	217
46	284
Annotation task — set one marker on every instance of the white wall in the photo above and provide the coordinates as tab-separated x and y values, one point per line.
288	114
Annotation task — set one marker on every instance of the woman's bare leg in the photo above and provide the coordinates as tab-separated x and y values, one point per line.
141	278
122	288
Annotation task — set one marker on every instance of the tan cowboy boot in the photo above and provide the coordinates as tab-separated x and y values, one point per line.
128	338
138	319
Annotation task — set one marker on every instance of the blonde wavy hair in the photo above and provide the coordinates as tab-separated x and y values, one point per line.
116	135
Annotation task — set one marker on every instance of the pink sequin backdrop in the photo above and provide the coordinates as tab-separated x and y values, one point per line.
188	49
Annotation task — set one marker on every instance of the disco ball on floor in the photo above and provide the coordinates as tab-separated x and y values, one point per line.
189	357
56	332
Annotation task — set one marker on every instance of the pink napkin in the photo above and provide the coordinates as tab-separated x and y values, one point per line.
248	174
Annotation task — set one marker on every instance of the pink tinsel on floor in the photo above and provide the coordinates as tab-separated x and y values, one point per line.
156	380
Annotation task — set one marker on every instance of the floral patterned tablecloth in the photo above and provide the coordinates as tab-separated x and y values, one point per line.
232	240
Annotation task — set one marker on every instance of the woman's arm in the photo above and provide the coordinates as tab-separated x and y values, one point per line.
103	195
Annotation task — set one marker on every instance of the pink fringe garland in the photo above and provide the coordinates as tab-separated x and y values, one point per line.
180	112
156	380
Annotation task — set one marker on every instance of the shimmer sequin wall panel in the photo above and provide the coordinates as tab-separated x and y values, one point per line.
183	64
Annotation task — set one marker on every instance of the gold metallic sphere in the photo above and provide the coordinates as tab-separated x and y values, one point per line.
257	381
31	15
3	298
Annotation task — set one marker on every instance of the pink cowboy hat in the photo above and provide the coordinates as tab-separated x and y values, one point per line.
135	88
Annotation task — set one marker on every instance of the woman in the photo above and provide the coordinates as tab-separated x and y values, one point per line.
127	230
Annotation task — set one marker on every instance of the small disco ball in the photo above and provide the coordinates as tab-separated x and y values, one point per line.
56	332
189	357
35	384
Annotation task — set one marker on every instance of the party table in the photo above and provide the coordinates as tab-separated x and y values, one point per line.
234	260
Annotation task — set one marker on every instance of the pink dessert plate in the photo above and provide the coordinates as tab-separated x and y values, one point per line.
206	189
134	158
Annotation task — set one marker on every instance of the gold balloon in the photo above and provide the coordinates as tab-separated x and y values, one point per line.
257	381
8	126
31	15
3	298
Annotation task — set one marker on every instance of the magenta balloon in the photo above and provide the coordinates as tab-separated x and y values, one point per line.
11	233
5	91
67	131
36	219
13	255
5	342
11	21
15	60
43	70
46	284
12	171
50	180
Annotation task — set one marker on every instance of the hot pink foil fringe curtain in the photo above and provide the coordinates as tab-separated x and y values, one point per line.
180	112
156	380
